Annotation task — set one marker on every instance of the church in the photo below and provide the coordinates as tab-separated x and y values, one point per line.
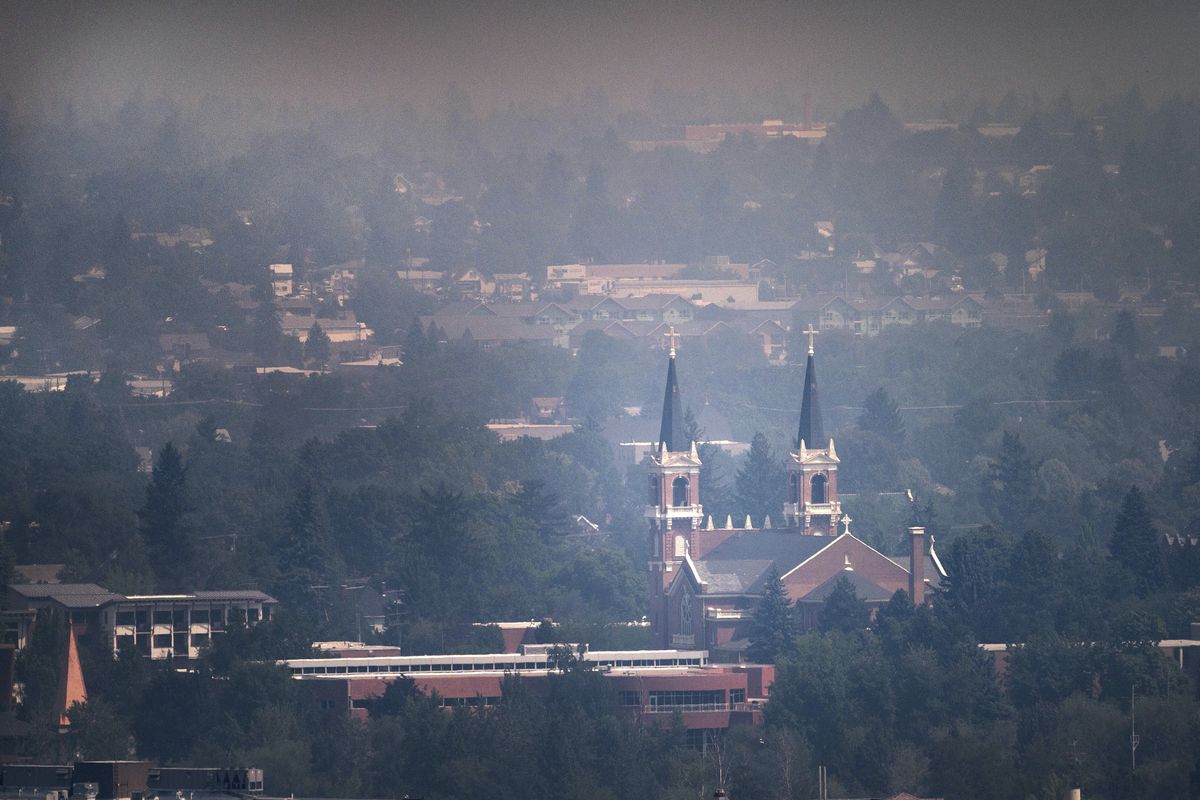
705	581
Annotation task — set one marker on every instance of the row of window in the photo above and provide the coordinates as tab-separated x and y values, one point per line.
181	617
361	669
159	641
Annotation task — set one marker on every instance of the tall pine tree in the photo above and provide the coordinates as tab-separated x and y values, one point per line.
760	485
166	524
881	415
1136	545
773	629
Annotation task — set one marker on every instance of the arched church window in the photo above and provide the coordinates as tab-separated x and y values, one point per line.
679	491
685	613
795	487
655	498
818	489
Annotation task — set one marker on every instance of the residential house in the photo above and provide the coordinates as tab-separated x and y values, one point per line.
282	279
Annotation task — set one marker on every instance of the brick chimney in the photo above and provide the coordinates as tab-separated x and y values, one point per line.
916	577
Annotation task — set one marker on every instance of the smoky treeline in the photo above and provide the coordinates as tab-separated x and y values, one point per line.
1054	457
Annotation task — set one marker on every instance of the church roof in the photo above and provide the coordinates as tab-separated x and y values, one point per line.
866	589
740	564
812	432
671	431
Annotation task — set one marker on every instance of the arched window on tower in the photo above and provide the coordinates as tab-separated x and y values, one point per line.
679	491
818	489
655	496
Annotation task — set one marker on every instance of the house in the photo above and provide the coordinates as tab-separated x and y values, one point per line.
184	347
489	331
547	409
282	279
472	285
725	293
343	330
424	281
512	286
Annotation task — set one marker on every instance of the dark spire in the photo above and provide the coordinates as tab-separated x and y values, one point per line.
671	432
812	433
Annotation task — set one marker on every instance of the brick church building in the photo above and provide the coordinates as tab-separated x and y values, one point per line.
704	582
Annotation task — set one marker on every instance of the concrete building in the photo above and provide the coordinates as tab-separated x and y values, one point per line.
165	626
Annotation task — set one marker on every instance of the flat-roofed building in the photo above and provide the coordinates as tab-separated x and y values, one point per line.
651	685
158	626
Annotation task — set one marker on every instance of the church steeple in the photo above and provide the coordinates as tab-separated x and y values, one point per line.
811	432
673	508
812	505
670	433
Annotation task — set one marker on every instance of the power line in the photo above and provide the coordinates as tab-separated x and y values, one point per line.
918	408
158	404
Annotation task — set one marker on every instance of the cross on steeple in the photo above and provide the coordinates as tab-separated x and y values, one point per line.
672	340
810	331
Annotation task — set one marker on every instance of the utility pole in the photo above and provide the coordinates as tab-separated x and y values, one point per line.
1134	739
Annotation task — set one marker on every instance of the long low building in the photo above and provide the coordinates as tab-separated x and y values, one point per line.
652	685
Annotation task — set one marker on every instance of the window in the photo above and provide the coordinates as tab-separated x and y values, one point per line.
654	491
125	618
818	489
162	616
630	699
181	643
252	614
124	643
179	618
199	640
679	492
692	700
143	620
162	640
737	695
200	616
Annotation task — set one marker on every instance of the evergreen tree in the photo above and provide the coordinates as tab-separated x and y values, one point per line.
773	629
304	553
715	491
165	521
316	346
1136	546
842	610
1012	492
268	334
760	485
1124	333
40	664
881	416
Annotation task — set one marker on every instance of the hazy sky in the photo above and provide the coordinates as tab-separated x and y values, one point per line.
502	51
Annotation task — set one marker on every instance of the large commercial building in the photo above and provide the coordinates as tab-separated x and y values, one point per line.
652	685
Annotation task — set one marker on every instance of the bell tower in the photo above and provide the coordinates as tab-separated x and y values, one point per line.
812	503
673	510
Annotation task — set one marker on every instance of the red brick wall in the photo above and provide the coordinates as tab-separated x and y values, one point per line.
830	561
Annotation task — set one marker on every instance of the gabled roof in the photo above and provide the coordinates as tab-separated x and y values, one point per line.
866	589
740	564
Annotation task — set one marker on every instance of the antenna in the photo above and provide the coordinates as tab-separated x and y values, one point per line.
1134	739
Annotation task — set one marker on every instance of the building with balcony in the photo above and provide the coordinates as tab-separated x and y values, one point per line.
176	626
